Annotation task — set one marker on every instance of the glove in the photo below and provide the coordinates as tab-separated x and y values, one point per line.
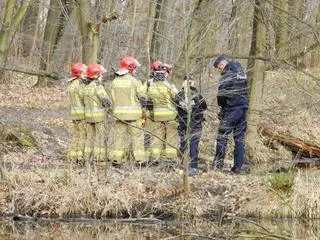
144	115
105	103
143	118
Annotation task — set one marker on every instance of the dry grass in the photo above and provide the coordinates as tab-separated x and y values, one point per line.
70	192
306	194
67	193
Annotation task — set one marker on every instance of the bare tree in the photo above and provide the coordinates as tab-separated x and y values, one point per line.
256	75
10	25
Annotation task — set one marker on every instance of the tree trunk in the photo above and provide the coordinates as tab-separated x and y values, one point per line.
233	27
90	32
281	28
49	38
296	9
186	155
159	26
30	28
4	43
55	24
256	76
89	38
315	56
147	38
66	49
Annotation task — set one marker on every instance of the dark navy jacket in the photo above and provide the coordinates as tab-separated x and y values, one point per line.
198	105
233	87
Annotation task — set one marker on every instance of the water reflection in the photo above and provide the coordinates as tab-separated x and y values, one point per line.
237	229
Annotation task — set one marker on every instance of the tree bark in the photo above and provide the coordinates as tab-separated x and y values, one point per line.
295	9
159	26
30	28
90	32
55	24
316	54
233	27
147	39
281	28
10	25
256	76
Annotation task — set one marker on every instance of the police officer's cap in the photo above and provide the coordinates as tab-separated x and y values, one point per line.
219	60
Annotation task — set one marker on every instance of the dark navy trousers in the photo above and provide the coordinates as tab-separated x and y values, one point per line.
231	121
195	135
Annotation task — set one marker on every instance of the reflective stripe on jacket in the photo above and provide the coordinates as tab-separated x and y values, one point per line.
126	92
93	93
161	93
75	98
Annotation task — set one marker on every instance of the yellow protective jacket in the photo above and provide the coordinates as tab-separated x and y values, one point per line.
93	94
75	98
126	92
161	93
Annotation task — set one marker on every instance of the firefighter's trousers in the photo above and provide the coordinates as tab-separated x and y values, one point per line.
148	127
95	142
166	146
124	139
78	138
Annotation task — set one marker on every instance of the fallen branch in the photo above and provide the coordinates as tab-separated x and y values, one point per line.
40	74
297	145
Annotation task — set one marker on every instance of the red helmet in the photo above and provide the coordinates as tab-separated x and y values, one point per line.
128	64
94	71
78	69
160	66
156	65
166	67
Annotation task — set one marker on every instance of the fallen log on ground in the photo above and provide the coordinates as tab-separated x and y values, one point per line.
294	144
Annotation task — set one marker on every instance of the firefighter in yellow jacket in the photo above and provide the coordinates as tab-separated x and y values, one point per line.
161	93
148	124
95	100
78	134
128	98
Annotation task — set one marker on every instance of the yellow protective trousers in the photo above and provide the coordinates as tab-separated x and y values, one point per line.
148	127
124	139
78	138
166	146
95	142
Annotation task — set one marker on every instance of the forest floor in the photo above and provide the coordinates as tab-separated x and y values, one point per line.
40	182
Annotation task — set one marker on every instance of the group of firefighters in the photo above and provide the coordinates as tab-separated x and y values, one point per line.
149	121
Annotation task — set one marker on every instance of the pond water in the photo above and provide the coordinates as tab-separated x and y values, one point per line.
154	229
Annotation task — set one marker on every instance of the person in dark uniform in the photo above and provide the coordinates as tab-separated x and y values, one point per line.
197	105
233	102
